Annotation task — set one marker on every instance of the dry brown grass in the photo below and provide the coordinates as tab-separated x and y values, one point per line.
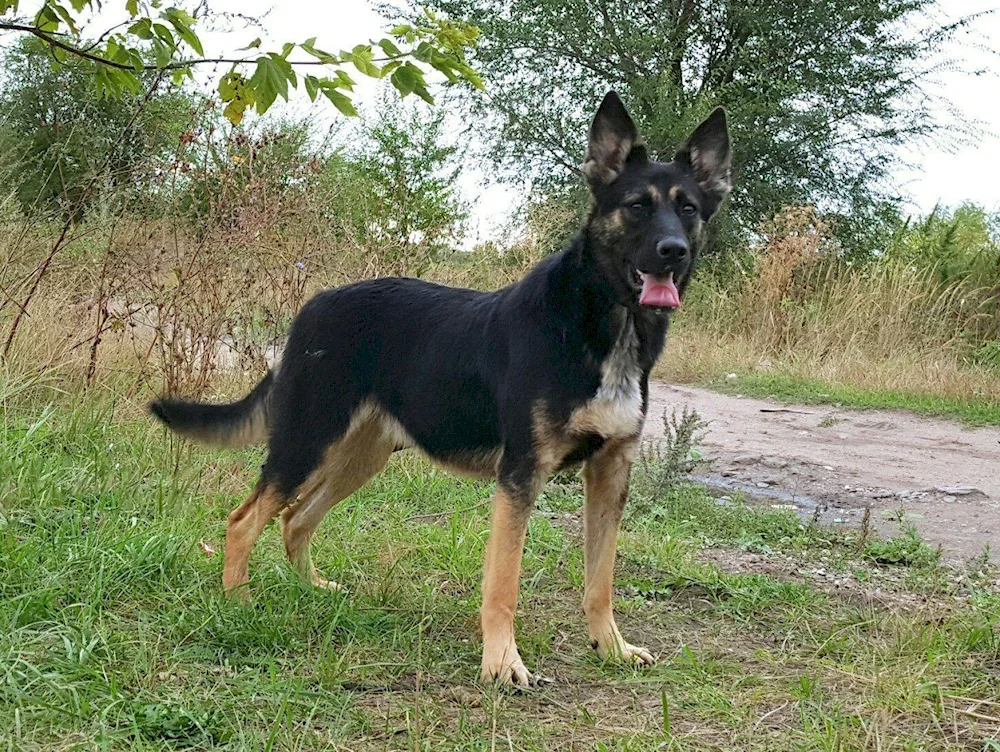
798	309
164	305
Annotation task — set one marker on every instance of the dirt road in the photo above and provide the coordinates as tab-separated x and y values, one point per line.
944	477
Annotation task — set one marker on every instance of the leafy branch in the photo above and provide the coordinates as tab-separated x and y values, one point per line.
164	40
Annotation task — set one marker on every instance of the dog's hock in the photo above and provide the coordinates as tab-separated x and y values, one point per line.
612	138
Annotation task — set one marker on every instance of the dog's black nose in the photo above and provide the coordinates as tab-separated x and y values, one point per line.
672	250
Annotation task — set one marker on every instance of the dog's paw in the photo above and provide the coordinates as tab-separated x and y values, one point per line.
330	585
504	666
623	652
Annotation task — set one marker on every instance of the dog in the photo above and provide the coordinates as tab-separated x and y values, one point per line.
548	373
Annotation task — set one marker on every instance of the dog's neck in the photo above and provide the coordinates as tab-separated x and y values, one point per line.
586	299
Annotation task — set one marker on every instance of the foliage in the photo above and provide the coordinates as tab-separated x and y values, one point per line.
905	549
819	93
396	186
59	136
960	245
169	37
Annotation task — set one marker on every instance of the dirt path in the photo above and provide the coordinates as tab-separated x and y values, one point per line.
943	476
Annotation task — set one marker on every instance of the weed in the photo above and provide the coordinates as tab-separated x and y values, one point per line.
906	548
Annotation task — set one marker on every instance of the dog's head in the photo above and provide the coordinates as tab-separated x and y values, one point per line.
648	216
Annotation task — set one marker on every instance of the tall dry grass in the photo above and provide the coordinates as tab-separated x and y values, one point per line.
796	306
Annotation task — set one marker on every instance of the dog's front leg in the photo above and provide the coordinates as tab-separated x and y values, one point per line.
605	477
501	572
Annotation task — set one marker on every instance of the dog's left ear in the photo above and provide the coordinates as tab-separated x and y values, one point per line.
708	155
612	138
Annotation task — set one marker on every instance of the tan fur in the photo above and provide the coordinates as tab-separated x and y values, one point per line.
243	527
252	431
605	477
501	572
655	195
551	443
474	464
347	465
675	191
606	158
710	173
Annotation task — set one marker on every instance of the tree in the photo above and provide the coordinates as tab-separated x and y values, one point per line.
395	188
819	92
168	36
58	135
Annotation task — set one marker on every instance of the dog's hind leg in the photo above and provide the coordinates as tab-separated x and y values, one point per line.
605	477
243	527
347	465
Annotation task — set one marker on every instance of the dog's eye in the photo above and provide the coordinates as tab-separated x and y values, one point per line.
689	210
640	205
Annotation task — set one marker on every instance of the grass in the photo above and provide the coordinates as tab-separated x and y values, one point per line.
114	633
789	388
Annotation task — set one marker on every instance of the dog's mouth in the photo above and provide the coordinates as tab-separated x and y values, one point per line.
657	290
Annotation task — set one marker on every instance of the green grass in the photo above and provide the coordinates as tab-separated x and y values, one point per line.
114	633
810	391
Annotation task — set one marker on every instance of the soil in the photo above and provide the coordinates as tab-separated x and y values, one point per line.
832	463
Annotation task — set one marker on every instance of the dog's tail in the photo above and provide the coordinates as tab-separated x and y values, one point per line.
234	424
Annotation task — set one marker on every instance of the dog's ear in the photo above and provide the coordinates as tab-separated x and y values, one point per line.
708	155
612	143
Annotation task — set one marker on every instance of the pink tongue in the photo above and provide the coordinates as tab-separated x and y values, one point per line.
659	291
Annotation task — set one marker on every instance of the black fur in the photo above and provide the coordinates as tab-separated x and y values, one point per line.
466	372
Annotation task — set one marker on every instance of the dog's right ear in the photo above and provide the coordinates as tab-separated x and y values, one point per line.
612	138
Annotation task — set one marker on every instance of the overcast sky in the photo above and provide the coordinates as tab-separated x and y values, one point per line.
967	173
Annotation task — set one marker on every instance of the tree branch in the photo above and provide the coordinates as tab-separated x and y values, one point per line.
182	65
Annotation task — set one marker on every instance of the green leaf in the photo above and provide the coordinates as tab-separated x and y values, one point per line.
162	53
182	21
143	28
268	81
46	19
344	81
132	6
162	32
227	91
312	87
362	57
389	48
340	101
324	57
402	78
253	45
66	17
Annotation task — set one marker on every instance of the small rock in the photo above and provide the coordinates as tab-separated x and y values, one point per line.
774	462
762	484
949	499
958	490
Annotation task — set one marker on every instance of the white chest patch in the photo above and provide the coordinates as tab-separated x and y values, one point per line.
616	409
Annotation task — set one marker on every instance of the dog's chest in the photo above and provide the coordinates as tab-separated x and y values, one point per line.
615	410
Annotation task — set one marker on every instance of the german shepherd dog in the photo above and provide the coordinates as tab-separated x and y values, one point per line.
545	374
